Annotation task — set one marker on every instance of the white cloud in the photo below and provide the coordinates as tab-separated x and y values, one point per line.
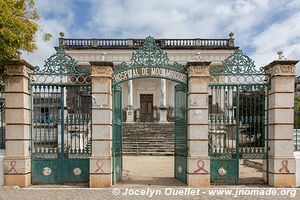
264	26
55	16
283	36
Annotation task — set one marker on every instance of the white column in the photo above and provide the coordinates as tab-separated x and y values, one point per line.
130	93
163	100
129	112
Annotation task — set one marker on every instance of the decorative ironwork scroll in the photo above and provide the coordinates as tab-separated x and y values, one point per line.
59	68
149	61
239	68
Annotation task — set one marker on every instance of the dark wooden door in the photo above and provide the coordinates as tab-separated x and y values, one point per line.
146	102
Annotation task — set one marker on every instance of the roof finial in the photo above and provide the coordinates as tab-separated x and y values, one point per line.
280	55
61	39
231	39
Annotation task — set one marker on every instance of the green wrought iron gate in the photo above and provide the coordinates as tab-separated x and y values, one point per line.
60	122
180	133
150	61
237	117
117	134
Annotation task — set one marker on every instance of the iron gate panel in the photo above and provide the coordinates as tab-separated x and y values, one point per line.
237	117
180	133
60	122
117	134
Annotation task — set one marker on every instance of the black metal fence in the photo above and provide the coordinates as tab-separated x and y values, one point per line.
296	134
2	117
296	139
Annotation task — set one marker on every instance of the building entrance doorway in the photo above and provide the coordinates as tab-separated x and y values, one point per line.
146	102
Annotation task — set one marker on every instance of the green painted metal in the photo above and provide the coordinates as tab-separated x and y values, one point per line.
117	134
149	56
238	64
60	122
237	117
180	133
60	69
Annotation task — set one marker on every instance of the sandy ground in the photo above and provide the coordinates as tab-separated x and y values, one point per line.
157	171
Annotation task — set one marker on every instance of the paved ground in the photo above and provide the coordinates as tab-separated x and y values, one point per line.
157	171
145	193
151	178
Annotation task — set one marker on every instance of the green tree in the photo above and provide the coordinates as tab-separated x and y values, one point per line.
18	26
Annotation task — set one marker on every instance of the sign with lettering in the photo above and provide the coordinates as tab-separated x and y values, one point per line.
149	72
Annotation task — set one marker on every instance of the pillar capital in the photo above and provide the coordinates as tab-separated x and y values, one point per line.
198	68
16	67
281	68
101	69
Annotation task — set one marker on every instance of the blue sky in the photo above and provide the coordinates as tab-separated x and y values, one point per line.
261	27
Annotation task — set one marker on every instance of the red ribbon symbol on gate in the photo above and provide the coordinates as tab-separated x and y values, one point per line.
99	166
284	168
13	165
200	167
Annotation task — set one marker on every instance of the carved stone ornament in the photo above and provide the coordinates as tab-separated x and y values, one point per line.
17	70
282	70
47	171
101	71
179	169
222	171
77	171
281	67
198	70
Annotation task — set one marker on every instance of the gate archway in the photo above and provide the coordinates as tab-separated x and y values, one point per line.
151	62
60	121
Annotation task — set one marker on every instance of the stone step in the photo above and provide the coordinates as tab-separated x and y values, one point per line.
148	139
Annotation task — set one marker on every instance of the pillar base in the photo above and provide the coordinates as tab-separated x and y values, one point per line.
129	114
198	180
282	180
100	180
22	180
163	114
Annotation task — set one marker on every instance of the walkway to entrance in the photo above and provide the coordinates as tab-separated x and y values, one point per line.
157	171
148	171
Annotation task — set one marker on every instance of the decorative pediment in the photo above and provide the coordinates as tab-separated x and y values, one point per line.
59	63
149	55
237	64
60	68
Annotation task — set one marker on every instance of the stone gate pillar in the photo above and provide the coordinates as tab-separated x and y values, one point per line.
101	159
17	162
281	171
197	102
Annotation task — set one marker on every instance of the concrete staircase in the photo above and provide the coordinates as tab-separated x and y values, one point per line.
148	138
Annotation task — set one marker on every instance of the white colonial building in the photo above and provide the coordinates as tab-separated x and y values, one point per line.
147	97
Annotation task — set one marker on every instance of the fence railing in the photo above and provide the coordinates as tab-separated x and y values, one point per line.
296	139
135	43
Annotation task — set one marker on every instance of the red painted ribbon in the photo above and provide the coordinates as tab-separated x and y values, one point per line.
99	167
13	165
284	168
200	167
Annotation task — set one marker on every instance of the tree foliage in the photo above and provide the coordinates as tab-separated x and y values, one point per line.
17	28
